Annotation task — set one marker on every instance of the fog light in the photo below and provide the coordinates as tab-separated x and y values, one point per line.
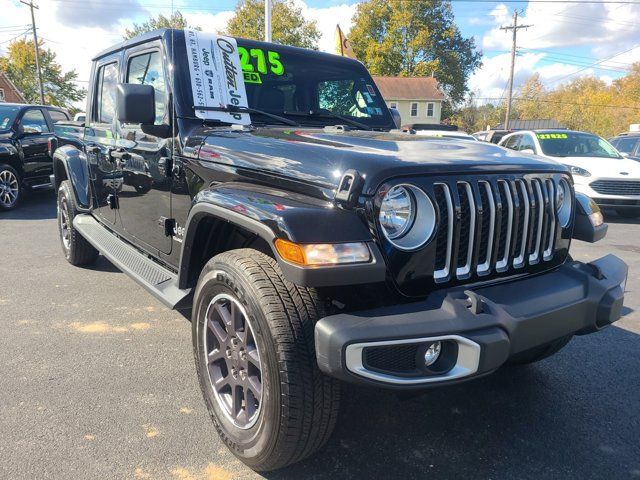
432	354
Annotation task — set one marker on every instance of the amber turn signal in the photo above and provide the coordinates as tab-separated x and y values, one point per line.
323	254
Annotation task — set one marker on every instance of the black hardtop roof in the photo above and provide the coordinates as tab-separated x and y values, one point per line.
165	34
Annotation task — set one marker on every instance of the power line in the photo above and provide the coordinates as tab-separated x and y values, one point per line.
593	64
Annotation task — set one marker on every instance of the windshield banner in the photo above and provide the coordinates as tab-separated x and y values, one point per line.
216	76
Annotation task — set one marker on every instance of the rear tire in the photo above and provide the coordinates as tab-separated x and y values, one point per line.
298	405
11	188
76	249
539	353
624	213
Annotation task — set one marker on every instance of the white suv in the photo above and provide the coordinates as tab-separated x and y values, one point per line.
598	169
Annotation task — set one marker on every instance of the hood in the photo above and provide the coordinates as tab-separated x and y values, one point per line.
623	168
321	156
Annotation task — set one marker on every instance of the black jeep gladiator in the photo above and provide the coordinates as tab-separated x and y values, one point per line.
318	243
25	131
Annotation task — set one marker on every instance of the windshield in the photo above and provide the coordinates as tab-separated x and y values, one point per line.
626	145
311	91
7	116
574	144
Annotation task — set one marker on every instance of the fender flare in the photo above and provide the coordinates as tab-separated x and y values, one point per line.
76	168
272	214
9	155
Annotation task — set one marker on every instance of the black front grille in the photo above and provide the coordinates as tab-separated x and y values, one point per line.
394	358
616	187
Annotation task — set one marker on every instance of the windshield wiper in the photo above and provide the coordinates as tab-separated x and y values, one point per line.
237	109
330	114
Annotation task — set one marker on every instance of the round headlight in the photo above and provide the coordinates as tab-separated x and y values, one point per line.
563	203
397	212
407	217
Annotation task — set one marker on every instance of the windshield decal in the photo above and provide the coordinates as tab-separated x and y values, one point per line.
216	76
552	136
252	77
256	60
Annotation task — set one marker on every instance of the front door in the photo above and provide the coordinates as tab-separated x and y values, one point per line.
106	178
34	136
145	197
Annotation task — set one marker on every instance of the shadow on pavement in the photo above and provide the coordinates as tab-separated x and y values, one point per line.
611	216
34	205
559	418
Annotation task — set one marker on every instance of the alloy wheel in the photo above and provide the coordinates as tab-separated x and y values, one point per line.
63	218
9	188
233	361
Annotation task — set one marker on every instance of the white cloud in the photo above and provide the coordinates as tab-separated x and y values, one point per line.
608	29
327	18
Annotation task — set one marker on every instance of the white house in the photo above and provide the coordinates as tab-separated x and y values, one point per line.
418	99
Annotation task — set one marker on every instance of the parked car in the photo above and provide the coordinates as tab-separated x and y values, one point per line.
311	241
491	136
598	169
24	162
627	143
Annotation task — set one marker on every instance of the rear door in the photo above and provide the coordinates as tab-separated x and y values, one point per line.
145	196
106	179
35	133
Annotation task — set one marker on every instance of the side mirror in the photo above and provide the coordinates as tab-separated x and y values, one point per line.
136	103
589	226
528	150
397	118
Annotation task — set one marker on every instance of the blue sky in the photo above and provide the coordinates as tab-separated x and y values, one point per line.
567	40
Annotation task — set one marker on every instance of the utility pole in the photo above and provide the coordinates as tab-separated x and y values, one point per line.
35	40
267	20
515	27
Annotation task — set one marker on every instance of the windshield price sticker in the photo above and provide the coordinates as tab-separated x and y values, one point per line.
552	136
256	62
216	76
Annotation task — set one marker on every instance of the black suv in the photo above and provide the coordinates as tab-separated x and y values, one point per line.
317	243
25	131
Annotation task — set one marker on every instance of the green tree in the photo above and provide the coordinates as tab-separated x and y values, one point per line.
288	25
175	20
20	66
414	38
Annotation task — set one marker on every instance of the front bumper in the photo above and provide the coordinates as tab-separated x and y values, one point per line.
483	327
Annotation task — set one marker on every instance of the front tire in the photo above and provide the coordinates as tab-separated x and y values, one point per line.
248	318
75	247
10	188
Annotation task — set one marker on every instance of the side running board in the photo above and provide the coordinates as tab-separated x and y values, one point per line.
159	281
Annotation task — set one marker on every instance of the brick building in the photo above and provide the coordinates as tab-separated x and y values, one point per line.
9	92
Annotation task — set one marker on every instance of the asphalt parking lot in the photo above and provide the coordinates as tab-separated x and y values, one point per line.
97	381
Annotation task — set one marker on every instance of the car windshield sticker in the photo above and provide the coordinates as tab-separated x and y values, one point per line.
552	136
260	61
216	76
371	90
252	77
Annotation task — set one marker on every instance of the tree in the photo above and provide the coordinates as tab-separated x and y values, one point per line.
20	66
288	24
414	38
176	20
